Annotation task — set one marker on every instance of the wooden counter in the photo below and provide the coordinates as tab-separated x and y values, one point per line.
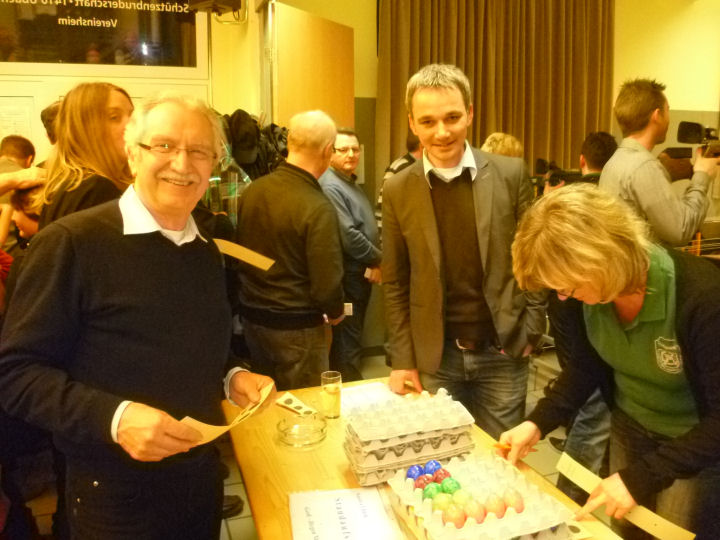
271	470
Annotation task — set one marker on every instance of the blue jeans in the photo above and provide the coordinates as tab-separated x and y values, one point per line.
490	384
587	442
346	348
293	358
693	503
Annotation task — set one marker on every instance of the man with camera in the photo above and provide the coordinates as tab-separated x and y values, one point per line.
635	175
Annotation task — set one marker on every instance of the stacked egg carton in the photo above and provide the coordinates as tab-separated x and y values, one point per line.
382	438
542	518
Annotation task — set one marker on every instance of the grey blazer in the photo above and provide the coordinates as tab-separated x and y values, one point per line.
412	266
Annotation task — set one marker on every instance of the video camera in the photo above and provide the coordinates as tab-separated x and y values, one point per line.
556	174
694	133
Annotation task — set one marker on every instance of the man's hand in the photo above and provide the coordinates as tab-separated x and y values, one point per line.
521	439
245	389
149	434
25	178
399	378
334	322
373	274
707	165
613	494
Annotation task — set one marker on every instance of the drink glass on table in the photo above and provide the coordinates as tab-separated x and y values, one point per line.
330	386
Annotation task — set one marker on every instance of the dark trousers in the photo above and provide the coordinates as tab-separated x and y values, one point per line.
346	348
693	503
178	501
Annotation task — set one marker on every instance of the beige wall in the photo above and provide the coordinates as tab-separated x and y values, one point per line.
235	60
674	41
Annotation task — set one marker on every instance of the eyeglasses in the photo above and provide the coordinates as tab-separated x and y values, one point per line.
165	150
346	149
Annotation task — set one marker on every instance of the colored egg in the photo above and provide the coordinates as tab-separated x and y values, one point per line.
415	471
431	490
475	509
513	499
455	515
432	466
441	501
423	480
495	505
450	485
440	475
460	497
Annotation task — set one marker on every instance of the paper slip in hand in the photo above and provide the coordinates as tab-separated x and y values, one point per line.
244	254
210	432
642	517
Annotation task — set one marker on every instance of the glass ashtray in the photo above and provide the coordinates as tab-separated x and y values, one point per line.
302	430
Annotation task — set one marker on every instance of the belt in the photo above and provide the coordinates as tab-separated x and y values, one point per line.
473	345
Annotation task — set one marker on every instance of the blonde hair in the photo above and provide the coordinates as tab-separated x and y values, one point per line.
579	235
84	144
503	144
438	76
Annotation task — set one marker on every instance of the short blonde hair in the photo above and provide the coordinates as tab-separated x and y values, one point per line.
503	144
579	235
438	76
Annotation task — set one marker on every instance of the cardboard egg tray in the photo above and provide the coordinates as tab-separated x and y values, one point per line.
420	450
419	415
381	439
543	517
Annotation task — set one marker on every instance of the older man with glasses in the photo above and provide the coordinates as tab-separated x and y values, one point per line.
120	324
361	250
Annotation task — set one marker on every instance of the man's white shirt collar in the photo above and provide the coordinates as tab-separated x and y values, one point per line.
138	220
447	175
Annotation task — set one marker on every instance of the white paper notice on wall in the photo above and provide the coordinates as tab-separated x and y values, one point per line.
344	514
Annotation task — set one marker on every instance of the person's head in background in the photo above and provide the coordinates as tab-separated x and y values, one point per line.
47	117
26	205
597	148
18	149
503	144
346	151
89	129
642	111
311	138
412	143
440	111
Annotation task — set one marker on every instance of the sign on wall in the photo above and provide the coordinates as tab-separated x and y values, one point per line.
115	32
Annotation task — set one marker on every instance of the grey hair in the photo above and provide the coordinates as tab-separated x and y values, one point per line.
136	128
310	131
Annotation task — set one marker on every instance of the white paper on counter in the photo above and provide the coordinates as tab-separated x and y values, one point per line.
344	514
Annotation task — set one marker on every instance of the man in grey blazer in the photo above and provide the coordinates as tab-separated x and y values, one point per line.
456	318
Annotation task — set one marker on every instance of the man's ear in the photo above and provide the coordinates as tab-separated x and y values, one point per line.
583	163
28	161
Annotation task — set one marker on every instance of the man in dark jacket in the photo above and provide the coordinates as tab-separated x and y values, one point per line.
286	216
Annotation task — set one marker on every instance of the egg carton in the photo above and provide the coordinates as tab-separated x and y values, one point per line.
413	415
542	518
409	439
370	476
413	451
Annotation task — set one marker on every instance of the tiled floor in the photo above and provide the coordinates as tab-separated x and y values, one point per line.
242	526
